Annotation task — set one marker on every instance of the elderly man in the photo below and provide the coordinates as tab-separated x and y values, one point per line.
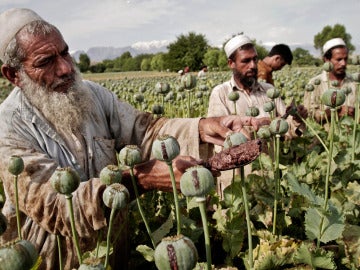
335	53
277	58
242	60
54	119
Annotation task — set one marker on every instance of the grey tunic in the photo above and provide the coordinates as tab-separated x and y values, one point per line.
111	125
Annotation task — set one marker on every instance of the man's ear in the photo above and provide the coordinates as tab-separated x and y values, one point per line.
231	63
11	74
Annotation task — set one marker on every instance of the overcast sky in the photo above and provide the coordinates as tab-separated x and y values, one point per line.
120	23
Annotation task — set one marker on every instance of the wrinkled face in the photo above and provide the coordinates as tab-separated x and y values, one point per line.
339	60
48	62
245	65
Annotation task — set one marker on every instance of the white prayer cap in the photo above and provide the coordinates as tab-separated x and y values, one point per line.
11	22
233	44
333	43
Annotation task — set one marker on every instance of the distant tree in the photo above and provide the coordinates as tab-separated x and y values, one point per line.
97	68
157	62
302	57
329	32
84	62
222	62
146	64
122	61
211	57
187	50
261	50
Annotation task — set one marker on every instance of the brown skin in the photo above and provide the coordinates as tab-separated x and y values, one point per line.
276	62
244	67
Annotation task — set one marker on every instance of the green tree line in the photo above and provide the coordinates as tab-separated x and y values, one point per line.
193	50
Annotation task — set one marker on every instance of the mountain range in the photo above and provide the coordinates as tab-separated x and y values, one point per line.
99	54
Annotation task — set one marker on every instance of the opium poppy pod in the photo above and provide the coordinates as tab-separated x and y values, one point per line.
309	87
165	148
197	181
65	180
188	81
130	155
264	132
162	88
328	66
269	106
273	93
116	196
233	96
279	126
110	174
235	138
333	98
176	252
18	256
16	165
252	111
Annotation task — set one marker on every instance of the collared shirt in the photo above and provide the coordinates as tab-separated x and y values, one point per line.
312	100
111	125
265	72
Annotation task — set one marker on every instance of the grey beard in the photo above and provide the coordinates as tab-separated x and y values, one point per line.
65	111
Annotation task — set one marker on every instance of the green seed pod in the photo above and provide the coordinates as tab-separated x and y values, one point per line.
333	98
233	96
188	81
110	174
165	148
157	109
317	82
273	93
335	83
16	165
328	66
197	181
252	111
3	223
19	255
130	155
309	87
264	133
347	90
142	89
116	196
176	252
269	106
162	88
234	139
356	76
279	126
65	180
138	98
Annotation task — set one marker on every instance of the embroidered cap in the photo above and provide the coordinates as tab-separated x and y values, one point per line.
233	44
11	22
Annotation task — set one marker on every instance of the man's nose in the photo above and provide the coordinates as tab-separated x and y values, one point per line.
64	67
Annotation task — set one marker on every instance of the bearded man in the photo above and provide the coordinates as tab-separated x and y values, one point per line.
54	119
242	60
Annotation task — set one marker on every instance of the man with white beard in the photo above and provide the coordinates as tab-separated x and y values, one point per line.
54	119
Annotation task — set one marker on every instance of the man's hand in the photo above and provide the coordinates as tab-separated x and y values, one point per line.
346	110
215	129
295	111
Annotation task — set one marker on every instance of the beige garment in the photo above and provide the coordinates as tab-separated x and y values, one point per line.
312	100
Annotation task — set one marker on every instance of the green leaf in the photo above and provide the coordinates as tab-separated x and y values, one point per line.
147	252
164	229
302	189
331	223
315	258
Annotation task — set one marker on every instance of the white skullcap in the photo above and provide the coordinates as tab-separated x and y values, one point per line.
11	22
333	43
233	44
